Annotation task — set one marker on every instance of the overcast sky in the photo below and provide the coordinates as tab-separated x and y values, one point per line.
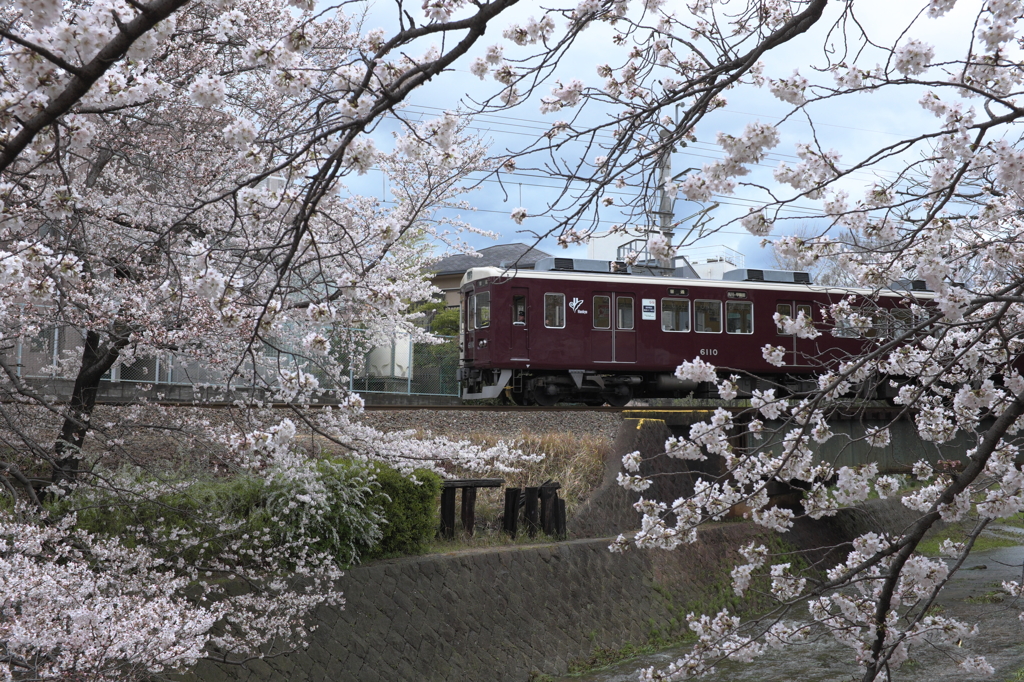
853	126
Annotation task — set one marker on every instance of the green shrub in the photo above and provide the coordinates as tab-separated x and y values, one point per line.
350	521
410	509
129	509
365	511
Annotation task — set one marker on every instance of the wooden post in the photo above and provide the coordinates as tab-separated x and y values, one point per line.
510	522
560	526
448	513
548	509
532	520
468	509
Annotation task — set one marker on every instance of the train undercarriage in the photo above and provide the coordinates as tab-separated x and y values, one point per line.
547	388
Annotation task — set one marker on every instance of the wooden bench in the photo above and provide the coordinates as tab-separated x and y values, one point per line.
468	487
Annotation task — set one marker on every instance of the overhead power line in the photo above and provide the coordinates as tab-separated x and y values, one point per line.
544	126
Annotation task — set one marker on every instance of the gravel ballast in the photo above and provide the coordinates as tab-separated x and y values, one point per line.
508	424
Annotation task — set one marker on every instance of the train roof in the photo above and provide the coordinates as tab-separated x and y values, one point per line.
475	274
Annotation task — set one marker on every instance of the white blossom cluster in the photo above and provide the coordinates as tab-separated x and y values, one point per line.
720	637
717	177
200	212
801	326
130	618
189	200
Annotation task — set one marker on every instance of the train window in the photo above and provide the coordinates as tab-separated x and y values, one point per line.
624	306
482	310
707	317
862	322
844	330
739	317
784	310
519	310
554	311
876	329
901	322
806	309
675	315
602	312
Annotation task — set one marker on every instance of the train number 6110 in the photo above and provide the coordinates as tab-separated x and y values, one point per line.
709	351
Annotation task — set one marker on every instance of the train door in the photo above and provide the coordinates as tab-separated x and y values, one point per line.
477	317
519	339
603	335
613	337
625	329
462	328
466	326
797	349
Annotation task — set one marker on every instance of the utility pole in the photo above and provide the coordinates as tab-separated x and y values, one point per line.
666	205
665	211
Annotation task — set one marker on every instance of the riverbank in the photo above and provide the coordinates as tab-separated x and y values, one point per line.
973	595
507	613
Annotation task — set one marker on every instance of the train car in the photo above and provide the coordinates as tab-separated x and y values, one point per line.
592	332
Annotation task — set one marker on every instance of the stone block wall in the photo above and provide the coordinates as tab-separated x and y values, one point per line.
498	614
506	613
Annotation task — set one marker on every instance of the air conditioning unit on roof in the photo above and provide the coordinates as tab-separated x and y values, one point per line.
755	275
582	265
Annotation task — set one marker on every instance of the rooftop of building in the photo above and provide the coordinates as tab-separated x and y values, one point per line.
502	255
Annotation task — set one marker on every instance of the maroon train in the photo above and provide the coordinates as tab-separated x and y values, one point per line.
565	332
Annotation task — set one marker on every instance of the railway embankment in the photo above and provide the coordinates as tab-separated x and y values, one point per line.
509	613
509	422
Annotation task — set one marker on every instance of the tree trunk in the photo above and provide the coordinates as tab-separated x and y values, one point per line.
96	360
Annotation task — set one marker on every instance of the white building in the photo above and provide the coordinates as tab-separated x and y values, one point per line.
709	262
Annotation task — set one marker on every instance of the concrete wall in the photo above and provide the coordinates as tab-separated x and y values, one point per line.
508	612
848	447
491	615
504	613
609	511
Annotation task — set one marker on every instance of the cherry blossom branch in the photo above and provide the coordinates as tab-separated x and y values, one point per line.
86	76
913	536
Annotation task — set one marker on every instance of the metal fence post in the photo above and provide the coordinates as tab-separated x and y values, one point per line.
391	374
548	509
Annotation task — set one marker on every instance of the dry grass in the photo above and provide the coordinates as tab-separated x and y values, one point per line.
576	462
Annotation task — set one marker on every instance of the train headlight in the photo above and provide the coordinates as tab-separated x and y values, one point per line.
482	343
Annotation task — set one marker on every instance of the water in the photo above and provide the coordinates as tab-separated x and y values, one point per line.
1000	641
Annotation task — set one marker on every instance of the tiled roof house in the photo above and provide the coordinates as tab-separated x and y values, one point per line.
448	271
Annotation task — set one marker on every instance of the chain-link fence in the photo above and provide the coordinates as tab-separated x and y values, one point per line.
402	367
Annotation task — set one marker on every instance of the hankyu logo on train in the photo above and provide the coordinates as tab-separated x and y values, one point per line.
575	304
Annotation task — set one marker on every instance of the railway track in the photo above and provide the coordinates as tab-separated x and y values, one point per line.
871	413
859	412
867	412
530	408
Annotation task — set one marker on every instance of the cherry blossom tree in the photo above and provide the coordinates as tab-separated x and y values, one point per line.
942	206
171	181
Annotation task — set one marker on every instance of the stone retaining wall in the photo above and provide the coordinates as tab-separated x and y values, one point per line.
505	613
481	615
